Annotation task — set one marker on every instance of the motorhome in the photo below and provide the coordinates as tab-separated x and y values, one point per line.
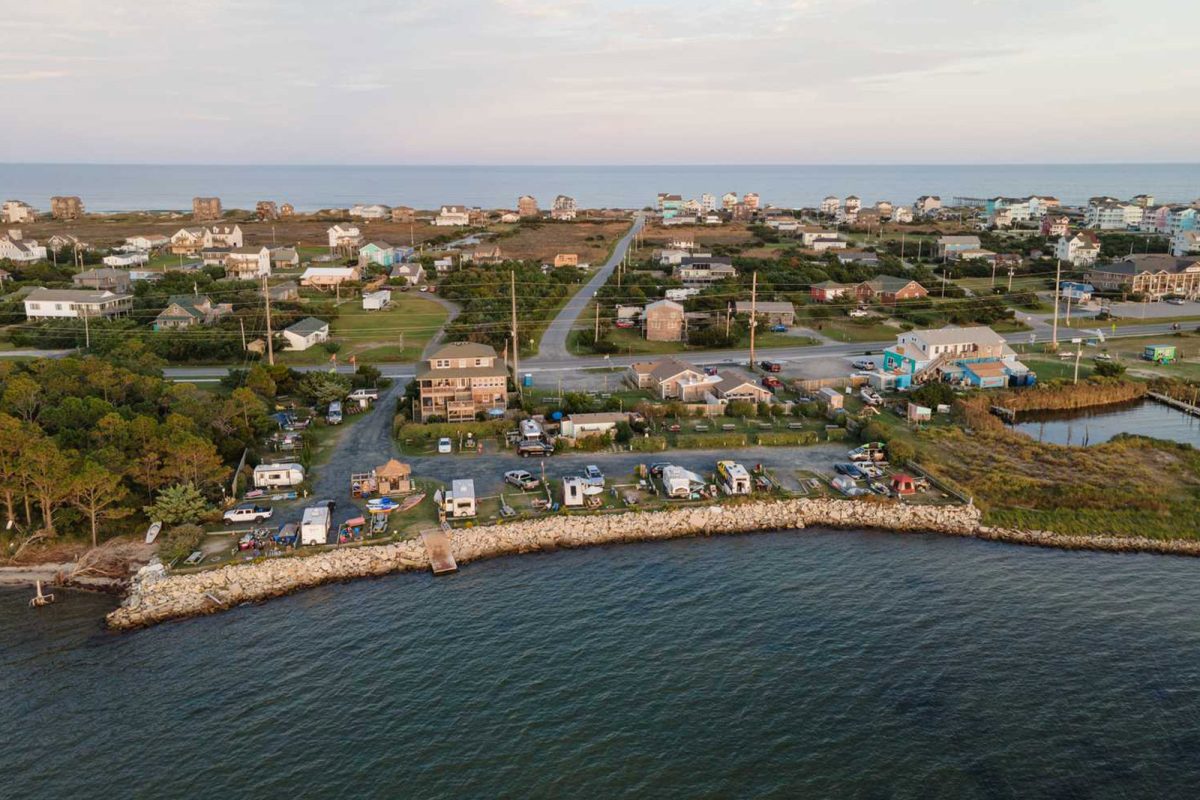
273	476
314	525
733	478
531	429
459	502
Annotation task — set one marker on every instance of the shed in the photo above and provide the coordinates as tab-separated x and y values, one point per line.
375	301
830	398
394	477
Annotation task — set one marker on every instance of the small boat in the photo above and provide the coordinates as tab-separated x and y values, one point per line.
411	501
382	505
152	532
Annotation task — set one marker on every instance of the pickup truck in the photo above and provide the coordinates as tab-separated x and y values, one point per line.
249	512
770	366
521	479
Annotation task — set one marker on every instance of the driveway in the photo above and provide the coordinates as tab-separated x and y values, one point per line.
554	340
435	341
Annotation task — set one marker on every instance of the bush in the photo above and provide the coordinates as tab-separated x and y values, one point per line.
901	451
787	438
179	542
696	441
931	395
1108	369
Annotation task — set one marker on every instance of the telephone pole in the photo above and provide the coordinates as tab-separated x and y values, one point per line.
753	313
270	335
242	325
1057	279
596	333
87	332
512	282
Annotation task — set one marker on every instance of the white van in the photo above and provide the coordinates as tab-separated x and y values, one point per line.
334	416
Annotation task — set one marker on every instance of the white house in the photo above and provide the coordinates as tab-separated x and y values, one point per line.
224	236
76	304
133	259
1113	216
15	212
344	236
830	205
1081	250
328	277
21	251
306	333
146	243
452	216
248	263
377	301
411	273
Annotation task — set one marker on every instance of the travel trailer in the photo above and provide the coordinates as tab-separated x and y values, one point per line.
273	476
314	525
733	478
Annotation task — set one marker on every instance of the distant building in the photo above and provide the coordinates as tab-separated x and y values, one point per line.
728	201
306	333
147	242
328	277
487	254
69	207
403	214
830	206
1153	275
248	263
266	210
1055	225
374	211
889	290
284	258
564	208
828	291
132	259
1080	250
186	310
948	246
751	201
703	270
663	321
453	216
458	381
16	212
773	312
927	204
76	304
107	279
379	253
19	250
852	204
377	300
344	238
287	210
206	208
1185	243
411	273
527	206
708	203
224	236
566	260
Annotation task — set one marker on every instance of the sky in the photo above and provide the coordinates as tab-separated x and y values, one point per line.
604	82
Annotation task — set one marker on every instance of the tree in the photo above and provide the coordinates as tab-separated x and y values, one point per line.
259	381
177	504
47	472
95	491
15	439
1109	369
24	396
323	388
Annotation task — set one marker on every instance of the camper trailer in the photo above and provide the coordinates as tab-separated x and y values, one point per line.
459	502
676	481
733	478
314	525
531	429
273	476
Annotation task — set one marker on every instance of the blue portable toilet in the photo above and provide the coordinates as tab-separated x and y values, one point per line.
527	381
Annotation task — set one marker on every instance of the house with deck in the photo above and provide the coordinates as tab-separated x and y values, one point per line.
460	380
76	304
975	356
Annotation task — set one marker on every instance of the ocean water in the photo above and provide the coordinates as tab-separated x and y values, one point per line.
115	187
814	664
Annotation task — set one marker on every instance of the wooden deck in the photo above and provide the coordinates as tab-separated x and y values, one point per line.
441	559
1187	408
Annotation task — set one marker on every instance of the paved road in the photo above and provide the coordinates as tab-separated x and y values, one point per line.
454	310
785	355
554	340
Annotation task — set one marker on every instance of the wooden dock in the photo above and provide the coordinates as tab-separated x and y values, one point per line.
441	559
1186	408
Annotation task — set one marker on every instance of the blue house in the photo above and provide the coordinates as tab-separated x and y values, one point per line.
379	253
1076	291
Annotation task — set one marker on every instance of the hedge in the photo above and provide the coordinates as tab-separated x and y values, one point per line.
702	441
778	438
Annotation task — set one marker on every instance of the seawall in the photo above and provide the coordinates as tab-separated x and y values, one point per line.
154	597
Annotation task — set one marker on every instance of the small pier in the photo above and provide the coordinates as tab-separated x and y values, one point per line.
437	545
1186	408
1006	414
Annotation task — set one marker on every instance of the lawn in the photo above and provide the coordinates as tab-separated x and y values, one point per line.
398	333
850	330
591	241
630	342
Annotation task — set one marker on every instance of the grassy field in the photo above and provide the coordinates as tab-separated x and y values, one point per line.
591	241
731	233
630	342
377	335
846	329
1021	283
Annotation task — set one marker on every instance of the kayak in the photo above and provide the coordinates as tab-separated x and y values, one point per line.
152	532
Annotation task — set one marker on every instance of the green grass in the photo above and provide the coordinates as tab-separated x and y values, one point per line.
376	335
849	330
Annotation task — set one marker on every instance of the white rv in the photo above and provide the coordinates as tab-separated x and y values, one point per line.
733	478
314	525
680	483
459	502
273	476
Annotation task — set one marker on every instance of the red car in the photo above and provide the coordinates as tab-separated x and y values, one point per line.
772	382
625	323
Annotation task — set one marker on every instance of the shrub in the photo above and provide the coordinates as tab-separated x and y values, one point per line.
179	542
698	441
787	438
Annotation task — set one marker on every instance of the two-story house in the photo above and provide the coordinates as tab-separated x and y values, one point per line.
1080	250
344	237
452	217
248	263
459	381
186	310
76	304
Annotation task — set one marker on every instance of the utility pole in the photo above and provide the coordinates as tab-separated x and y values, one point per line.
1011	270
270	335
242	325
993	273
87	332
753	313
1057	279
596	333
512	282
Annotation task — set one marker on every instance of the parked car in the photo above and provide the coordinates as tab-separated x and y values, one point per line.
849	469
1175	301
710	370
445	445
534	447
771	366
593	475
657	468
857	312
781	328
1102	357
771	382
863	363
249	512
364	394
625	323
521	479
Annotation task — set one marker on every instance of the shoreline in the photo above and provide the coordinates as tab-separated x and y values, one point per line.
154	598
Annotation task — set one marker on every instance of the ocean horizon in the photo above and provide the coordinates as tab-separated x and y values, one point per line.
111	188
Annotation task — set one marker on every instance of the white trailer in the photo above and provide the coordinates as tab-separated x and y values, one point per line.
459	502
273	476
733	478
573	491
314	526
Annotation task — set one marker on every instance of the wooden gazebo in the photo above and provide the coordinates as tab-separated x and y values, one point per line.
393	477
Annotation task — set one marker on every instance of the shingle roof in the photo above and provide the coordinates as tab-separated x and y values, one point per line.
307	326
464	350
